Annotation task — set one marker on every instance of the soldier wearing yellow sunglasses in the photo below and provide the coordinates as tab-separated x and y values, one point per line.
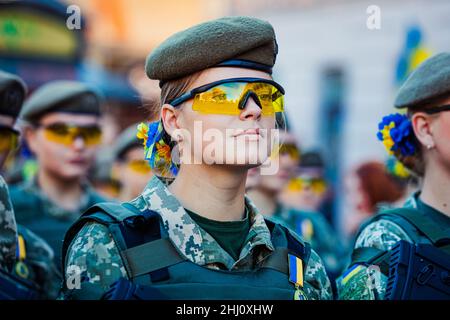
302	198
201	237
130	168
27	268
61	128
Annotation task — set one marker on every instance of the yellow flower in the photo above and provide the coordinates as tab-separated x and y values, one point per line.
387	140
142	132
163	151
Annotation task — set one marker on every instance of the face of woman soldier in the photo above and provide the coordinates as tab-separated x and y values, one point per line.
208	137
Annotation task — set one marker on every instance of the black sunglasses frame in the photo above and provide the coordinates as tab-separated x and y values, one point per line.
8	128
438	109
191	94
53	125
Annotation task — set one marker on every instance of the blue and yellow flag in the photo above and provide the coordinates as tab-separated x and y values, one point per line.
295	270
413	53
350	273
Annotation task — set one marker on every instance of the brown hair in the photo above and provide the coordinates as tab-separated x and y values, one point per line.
378	184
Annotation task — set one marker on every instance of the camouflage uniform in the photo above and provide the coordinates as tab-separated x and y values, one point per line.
34	261
8	228
39	264
96	256
366	283
32	206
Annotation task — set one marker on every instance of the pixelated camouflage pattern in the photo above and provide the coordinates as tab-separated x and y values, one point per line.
94	256
383	234
39	262
8	228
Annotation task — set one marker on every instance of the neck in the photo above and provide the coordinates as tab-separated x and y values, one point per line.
214	192
436	188
264	200
66	193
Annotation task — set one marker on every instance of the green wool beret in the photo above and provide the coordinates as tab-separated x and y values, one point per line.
126	140
12	94
63	96
234	41
430	80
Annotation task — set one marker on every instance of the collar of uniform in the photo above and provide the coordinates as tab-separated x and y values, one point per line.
191	240
411	201
32	186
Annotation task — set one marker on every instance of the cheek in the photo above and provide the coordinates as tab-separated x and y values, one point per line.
442	135
49	152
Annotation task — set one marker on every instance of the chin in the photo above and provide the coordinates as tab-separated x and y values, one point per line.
73	173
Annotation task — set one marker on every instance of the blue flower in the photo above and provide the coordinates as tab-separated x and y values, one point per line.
396	133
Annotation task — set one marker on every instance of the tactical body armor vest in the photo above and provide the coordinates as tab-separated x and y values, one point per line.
156	270
415	271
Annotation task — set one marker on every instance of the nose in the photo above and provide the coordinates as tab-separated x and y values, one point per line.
78	143
251	109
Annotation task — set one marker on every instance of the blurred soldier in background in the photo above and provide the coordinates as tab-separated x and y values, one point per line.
27	269
130	167
264	189
302	198
101	175
61	128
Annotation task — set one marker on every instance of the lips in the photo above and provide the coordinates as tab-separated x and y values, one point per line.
249	132
78	161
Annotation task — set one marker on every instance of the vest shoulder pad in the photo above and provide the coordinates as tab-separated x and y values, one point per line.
397	216
291	240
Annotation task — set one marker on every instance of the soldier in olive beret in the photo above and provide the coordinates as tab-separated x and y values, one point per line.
61	127
130	168
218	75
420	141
23	254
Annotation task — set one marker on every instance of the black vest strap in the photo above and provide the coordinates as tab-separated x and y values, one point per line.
277	261
151	256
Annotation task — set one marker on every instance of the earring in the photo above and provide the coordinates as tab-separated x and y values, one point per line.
429	147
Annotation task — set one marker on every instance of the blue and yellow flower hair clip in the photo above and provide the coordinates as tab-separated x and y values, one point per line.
396	133
396	168
157	150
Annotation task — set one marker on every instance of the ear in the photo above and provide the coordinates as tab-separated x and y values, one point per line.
169	118
422	126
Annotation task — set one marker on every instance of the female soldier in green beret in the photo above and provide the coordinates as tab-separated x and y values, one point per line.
62	129
199	237
24	257
420	140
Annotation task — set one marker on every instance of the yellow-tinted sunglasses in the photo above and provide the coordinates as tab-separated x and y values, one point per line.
139	166
66	134
317	185
290	149
8	139
229	96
